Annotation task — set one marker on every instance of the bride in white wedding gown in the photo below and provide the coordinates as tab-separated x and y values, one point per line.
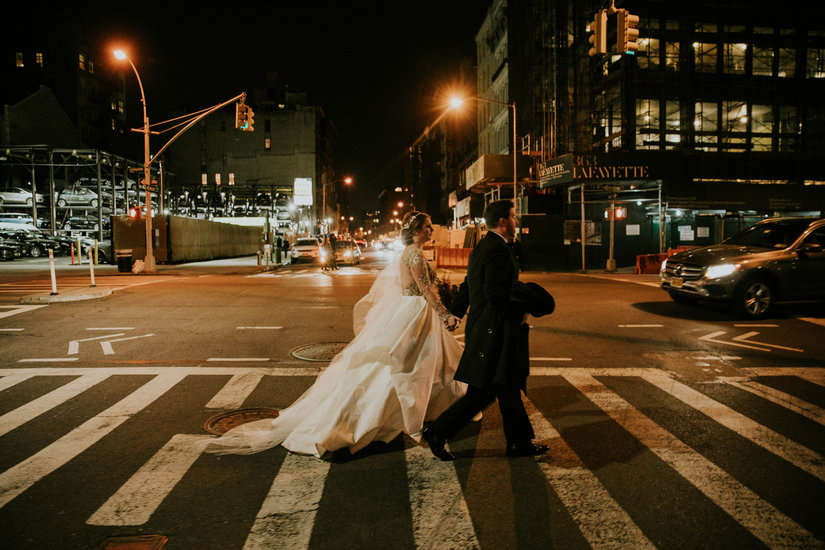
395	374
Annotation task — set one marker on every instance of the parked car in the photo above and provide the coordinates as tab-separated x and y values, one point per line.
306	250
77	196
347	252
18	195
85	222
16	217
774	260
10	249
35	243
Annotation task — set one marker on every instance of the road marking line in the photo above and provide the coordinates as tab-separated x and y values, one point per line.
781	446
74	345
744	337
755	325
813	320
797	405
48	360
237	359
440	515
15	310
10	380
20	477
107	345
111	328
11	329
601	520
35	408
758	516
235	392
712	338
288	512
138	498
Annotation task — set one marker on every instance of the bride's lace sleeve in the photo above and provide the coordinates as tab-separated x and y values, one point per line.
423	277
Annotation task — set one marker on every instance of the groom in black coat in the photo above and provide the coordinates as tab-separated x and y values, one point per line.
495	362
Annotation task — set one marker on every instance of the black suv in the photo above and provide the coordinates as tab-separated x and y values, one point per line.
775	259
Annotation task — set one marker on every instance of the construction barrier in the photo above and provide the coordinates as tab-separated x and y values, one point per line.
452	257
649	263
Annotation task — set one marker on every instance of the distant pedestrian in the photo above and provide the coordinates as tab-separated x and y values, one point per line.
333	260
285	249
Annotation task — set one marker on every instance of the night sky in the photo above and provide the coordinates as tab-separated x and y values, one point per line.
377	68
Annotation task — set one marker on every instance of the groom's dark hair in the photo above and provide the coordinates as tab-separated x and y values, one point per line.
497	210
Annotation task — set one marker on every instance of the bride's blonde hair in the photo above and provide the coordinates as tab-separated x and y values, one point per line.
412	222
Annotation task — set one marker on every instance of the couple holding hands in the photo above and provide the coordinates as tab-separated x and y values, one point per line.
404	372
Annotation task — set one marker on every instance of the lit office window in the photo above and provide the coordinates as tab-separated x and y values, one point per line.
18	59
787	62
705	56
762	61
91	66
38	58
734	116
673	124
267	143
705	126
761	127
648	55
81	62
734	62
647	124
672	56
815	66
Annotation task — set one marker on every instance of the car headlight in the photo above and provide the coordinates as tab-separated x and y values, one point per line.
663	266
716	271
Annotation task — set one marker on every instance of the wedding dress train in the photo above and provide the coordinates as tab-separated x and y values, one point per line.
395	374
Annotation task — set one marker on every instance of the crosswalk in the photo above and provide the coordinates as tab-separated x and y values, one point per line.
637	457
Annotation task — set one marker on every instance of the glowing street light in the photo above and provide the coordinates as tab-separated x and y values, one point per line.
149	261
456	102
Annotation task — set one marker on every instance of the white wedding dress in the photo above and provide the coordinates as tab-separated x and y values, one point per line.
396	373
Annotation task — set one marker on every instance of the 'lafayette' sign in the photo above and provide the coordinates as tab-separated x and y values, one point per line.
568	168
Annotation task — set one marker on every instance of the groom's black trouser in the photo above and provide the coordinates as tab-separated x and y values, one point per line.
517	427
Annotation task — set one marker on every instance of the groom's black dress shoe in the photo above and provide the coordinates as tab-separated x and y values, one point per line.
526	449
436	444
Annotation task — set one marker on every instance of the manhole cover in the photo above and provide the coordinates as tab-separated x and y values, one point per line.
225	421
318	352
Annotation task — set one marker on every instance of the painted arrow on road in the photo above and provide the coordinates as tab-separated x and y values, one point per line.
740	342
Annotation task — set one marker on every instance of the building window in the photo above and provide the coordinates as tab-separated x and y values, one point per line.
815	67
761	127
647	124
18	59
787	63
648	55
735	58
762	61
91	65
672	56
706	126
673	124
38	58
705	56
790	127
267	143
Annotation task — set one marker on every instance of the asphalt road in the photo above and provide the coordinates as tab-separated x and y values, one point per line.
670	426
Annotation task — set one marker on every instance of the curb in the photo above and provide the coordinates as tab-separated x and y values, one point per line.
73	295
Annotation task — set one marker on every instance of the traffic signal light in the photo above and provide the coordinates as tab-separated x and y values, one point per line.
241	115
134	212
615	213
626	32
250	114
598	36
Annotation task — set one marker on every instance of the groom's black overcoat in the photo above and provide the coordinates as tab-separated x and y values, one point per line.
496	349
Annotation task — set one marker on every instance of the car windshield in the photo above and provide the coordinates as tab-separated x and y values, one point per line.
778	234
306	242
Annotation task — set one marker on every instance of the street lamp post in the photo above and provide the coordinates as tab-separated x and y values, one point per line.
149	261
457	102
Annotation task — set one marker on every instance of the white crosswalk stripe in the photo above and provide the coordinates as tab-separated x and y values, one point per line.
439	514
